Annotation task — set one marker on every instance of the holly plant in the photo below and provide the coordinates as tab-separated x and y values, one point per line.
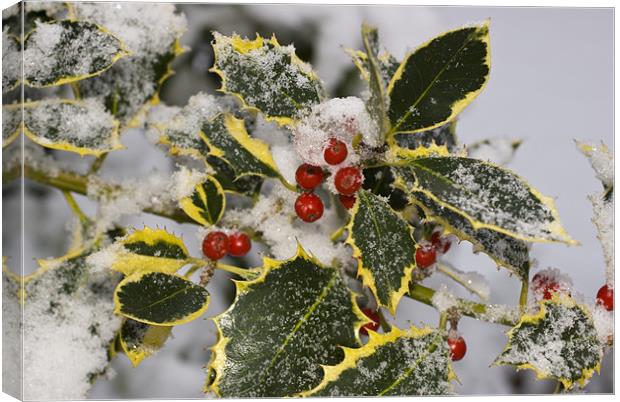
352	203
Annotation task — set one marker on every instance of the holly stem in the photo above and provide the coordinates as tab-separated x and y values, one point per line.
288	185
559	387
193	269
454	274
471	309
247	274
443	320
75	208
94	168
523	295
337	233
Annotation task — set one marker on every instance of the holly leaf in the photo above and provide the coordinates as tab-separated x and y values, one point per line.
158	298
413	362
139	340
388	64
559	342
266	76
384	246
441	136
248	184
487	196
80	126
151	33
11	123
377	102
207	202
34	11
11	61
281	327
439	79
61	52
142	251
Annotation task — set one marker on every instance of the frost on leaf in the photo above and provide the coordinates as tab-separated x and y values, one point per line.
68	323
383	244
11	61
142	251
61	52
158	298
281	328
559	342
441	136
377	103
505	250
80	126
139	340
43	11
11	123
487	196
439	79
399	363
266	76
151	33
206	203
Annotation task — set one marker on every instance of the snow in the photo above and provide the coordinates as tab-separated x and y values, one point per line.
443	299
551	276
601	159
11	61
499	150
188	121
604	323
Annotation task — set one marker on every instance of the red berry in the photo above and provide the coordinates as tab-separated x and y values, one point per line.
215	245
458	348
545	285
371	326
605	297
441	244
347	200
335	152
309	207
309	176
240	244
348	180
425	255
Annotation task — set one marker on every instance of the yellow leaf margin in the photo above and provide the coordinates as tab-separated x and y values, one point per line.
194	211
153	340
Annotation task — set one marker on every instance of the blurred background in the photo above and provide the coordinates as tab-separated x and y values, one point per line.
551	82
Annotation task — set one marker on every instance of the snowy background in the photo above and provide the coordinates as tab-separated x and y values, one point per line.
551	82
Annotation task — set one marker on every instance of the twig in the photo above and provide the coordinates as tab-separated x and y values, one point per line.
454	274
75	208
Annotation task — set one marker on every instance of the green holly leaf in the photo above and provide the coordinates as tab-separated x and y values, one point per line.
505	250
248	184
11	61
439	79
441	136
377	102
281	327
158	298
62	52
207	202
559	342
34	11
139	340
384	246
151	33
80	126
266	76
11	123
145	250
486	195
388	64
413	362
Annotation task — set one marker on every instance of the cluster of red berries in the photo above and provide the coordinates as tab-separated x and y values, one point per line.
217	244
546	286
348	180
426	253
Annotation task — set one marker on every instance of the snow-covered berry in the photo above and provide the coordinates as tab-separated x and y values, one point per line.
347	201
440	243
425	255
309	207
458	348
335	152
545	285
215	245
308	176
239	244
348	180
371	326
605	297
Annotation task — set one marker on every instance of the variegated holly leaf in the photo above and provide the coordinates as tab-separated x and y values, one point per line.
151	33
487	196
62	52
388	64
11	123
399	363
142	251
11	61
441	136
281	327
380	181
207	202
139	340
505	250
377	103
80	126
559	342
158	298
266	76
248	184
439	79
43	11
384	246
